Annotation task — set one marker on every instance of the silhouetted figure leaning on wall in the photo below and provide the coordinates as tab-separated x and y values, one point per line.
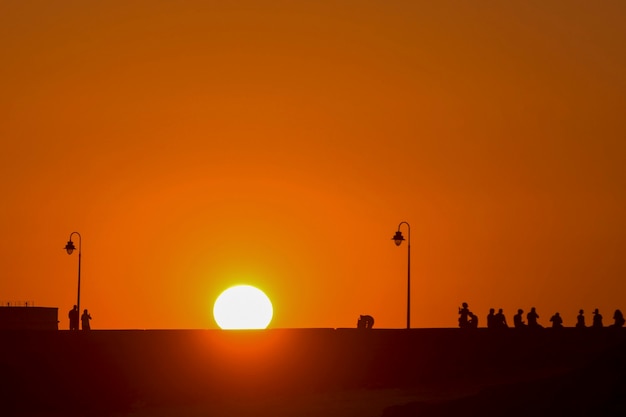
619	319
500	320
85	320
464	316
532	317
365	322
518	322
557	321
580	320
597	319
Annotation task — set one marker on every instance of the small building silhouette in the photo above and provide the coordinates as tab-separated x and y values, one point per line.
29	318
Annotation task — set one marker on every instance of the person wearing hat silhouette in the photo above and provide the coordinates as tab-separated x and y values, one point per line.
597	319
580	319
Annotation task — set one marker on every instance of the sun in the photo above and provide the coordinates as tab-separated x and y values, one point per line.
243	307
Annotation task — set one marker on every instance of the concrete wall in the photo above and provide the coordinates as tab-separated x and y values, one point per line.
75	372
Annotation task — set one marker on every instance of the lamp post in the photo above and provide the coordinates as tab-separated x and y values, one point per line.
70	248
398	239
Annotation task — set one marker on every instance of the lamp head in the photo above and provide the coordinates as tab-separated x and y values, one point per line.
398	238
70	247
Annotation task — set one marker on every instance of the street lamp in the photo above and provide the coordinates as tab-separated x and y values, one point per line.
70	248
398	239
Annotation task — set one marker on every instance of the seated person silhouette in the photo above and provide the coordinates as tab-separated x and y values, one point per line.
473	321
518	322
580	320
557	321
365	322
464	316
500	320
491	319
597	319
532	317
619	319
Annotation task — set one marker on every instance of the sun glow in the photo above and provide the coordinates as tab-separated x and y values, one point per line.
243	307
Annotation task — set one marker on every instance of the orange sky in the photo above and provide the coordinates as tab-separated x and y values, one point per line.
197	144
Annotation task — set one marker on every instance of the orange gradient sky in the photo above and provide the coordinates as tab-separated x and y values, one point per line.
197	144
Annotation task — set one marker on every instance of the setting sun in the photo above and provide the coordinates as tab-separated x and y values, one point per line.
243	307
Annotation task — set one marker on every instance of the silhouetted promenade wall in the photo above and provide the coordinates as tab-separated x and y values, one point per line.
74	372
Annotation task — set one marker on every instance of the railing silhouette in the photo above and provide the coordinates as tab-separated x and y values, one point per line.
29	303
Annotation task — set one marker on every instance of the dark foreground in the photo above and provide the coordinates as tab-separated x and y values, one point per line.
310	372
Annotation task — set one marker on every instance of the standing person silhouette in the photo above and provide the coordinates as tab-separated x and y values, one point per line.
500	320
517	319
597	319
73	316
532	317
580	319
464	316
85	320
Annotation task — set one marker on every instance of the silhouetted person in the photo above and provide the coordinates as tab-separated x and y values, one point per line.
597	319
619	319
580	320
491	319
365	322
464	316
500	320
532	317
518	322
73	316
473	321
85	320
557	321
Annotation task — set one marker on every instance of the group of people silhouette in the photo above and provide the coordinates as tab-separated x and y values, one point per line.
467	319
73	315
365	322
